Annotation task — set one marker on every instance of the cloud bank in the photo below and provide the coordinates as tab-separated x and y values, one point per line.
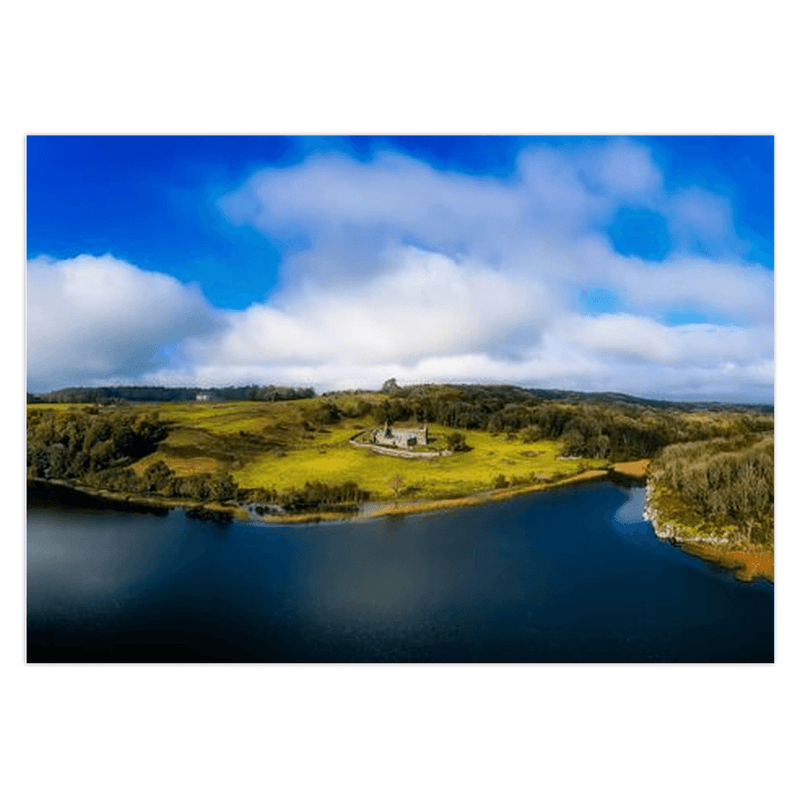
97	320
394	268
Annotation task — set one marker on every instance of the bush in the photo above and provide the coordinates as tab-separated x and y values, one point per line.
457	443
156	477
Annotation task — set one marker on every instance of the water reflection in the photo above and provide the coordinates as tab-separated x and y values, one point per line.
632	510
567	576
81	554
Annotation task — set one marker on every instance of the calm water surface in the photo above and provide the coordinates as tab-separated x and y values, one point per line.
572	575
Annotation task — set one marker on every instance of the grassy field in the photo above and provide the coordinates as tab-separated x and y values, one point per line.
266	445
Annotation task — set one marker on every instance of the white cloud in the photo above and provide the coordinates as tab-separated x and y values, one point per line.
742	292
427	303
625	170
99	319
633	339
495	330
336	197
699	218
348	207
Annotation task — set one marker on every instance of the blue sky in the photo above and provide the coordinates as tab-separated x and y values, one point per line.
636	264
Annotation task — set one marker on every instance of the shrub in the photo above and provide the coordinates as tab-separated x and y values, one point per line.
456	442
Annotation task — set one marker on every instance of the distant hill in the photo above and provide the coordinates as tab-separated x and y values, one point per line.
521	395
168	394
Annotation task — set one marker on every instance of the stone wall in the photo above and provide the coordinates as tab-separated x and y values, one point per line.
383	450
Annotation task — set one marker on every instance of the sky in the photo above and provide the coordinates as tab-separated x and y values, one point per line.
631	264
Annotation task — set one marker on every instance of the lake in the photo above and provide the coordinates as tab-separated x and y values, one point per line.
569	575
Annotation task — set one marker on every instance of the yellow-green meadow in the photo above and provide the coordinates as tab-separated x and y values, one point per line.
266	445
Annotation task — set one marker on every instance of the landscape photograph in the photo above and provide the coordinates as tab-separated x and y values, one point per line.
449	399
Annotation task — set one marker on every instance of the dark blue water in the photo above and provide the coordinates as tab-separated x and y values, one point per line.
565	576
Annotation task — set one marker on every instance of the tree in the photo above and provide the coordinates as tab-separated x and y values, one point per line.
156	476
573	441
531	433
456	442
395	483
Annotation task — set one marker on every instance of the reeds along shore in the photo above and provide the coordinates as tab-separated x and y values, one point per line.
421	506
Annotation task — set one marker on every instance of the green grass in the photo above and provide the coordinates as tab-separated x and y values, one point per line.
58	406
330	459
233	417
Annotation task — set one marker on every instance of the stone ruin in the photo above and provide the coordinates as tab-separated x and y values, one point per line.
404	438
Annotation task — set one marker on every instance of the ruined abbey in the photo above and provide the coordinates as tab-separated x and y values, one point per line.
405	438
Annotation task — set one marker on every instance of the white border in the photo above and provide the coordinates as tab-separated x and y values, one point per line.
502	731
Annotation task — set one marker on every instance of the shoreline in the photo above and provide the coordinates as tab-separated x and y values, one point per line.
392	508
747	562
156	504
92	497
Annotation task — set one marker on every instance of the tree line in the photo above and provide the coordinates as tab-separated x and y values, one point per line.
728	481
166	394
97	449
72	443
313	496
619	430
